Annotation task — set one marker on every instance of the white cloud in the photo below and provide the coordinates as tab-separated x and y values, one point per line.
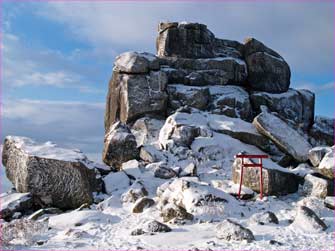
26	66
301	31
75	124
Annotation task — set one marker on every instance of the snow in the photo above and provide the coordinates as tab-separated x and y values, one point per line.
237	60
116	182
47	150
328	160
12	200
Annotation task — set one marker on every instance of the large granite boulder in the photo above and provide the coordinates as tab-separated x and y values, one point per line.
54	176
131	96
119	145
322	131
146	130
276	179
294	105
188	40
286	138
267	70
232	101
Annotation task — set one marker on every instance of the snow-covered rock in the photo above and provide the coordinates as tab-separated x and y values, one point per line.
192	96
307	221
114	182
132	168
238	129
146	130
316	154
232	231
230	100
135	62
135	191
263	218
293	105
286	138
12	203
142	203
56	176
316	186
119	145
150	154
326	166
171	211
156	227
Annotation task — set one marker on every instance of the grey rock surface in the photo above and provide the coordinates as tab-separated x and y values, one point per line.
285	137
232	231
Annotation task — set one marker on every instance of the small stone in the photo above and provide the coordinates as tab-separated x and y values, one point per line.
155	227
142	203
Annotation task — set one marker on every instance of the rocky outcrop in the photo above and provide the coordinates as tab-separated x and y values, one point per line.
232	231
286	138
267	70
294	105
54	176
276	180
119	145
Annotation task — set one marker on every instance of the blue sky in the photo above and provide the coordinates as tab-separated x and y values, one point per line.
58	57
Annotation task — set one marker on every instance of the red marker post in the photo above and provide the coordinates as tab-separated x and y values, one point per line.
259	164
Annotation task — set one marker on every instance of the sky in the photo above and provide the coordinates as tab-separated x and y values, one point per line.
57	57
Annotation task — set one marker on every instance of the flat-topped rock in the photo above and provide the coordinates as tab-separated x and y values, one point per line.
285	137
56	176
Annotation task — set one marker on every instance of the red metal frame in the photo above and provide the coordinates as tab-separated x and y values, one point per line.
260	164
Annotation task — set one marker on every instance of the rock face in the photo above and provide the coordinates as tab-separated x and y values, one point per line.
322	131
54	176
119	146
188	40
232	231
276	180
286	138
267	70
294	105
146	130
132	95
